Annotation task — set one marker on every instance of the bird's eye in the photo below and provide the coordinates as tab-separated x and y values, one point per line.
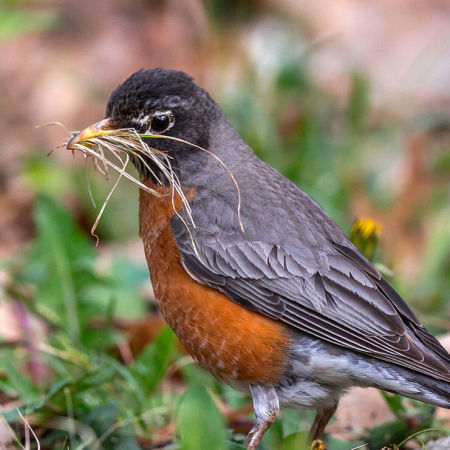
161	122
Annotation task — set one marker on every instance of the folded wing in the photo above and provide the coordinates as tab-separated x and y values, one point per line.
332	293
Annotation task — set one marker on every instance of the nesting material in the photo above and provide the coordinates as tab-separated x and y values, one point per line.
116	149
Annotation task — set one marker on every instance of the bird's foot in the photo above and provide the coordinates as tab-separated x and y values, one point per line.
318	445
255	435
266	405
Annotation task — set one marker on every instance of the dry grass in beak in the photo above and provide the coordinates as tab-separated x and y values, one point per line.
113	151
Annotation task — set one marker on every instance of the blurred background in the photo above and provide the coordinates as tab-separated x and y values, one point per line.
349	99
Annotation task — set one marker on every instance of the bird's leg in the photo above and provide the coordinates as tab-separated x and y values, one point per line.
267	407
320	422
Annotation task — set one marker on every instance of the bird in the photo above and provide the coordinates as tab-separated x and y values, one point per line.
260	285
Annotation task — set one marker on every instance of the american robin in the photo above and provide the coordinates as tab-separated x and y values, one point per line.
265	291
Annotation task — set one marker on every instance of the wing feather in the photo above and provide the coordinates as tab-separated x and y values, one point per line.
344	301
300	270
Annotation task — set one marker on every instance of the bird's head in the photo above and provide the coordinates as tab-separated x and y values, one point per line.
163	103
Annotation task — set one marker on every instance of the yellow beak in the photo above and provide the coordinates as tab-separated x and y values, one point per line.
98	129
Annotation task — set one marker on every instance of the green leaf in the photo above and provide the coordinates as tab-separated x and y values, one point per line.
273	438
391	432
30	408
200	425
22	384
235	446
296	441
294	420
194	375
57	265
152	364
395	403
337	444
14	22
101	418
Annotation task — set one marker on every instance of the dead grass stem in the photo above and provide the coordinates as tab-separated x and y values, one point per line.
115	150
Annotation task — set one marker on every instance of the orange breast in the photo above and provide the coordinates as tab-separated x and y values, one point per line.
229	340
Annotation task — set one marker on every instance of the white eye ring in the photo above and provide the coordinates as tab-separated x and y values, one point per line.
160	122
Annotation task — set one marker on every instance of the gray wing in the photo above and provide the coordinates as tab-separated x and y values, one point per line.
300	269
345	305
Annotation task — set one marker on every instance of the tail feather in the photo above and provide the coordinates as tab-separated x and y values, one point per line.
435	392
342	369
406	382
